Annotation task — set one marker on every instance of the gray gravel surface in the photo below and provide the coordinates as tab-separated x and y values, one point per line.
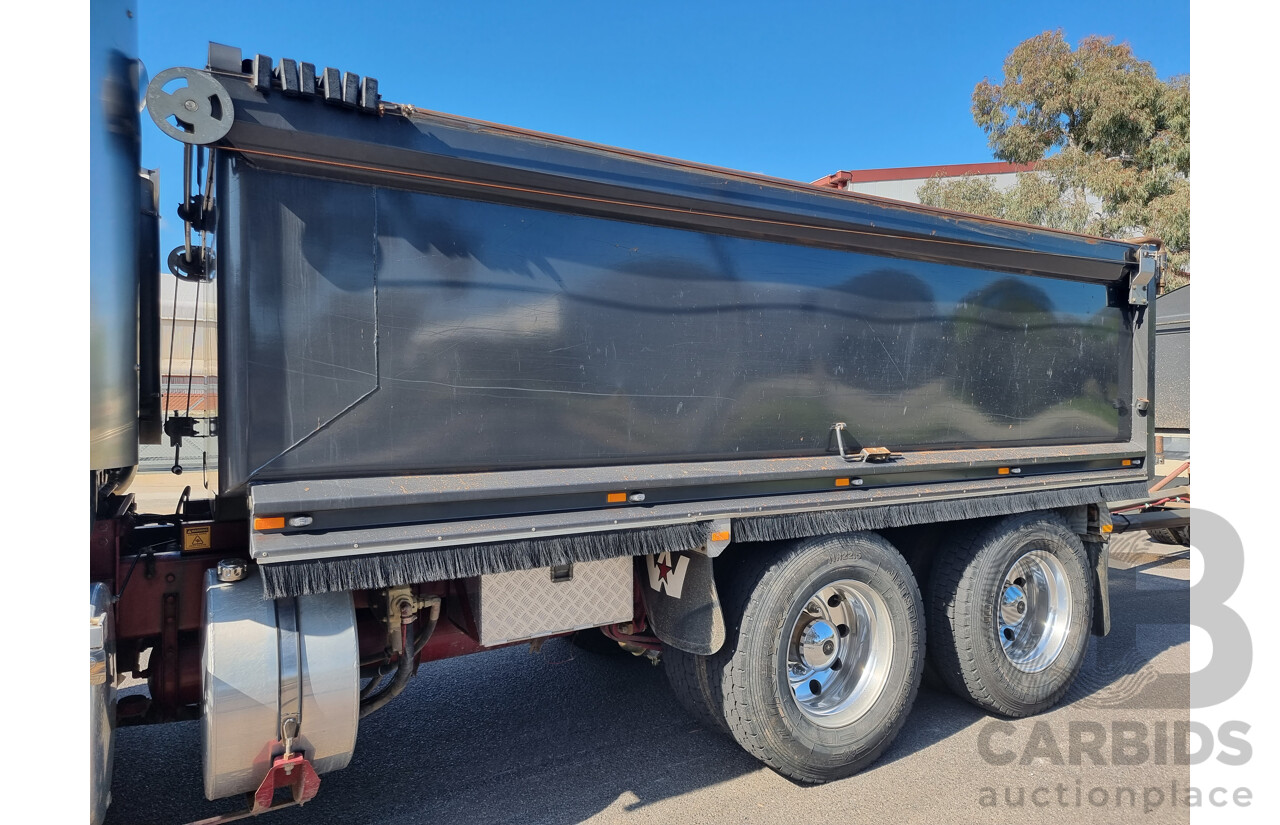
563	736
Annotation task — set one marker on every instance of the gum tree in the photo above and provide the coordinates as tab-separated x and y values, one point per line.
1110	138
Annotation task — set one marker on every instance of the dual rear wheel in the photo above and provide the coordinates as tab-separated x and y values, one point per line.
1011	607
822	657
826	639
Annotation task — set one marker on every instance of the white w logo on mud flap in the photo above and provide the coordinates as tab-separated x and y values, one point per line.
664	575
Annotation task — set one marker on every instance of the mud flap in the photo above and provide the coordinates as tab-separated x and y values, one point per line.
681	601
1100	556
1096	536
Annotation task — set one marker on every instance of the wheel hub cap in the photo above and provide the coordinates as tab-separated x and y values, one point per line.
1013	606
1033	611
838	653
818	645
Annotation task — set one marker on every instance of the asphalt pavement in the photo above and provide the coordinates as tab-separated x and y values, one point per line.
563	736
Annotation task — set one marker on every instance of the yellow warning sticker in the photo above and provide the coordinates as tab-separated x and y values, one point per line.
196	537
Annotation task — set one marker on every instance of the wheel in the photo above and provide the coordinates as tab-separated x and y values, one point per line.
1011	607
823	655
1171	535
696	686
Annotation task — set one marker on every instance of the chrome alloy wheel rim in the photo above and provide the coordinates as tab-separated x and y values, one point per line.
838	653
1033	611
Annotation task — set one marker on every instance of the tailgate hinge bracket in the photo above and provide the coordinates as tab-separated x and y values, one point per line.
1150	264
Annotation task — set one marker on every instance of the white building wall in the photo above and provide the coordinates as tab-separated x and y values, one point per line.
905	190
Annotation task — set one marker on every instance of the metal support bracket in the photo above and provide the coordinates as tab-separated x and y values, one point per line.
1100	557
294	773
719	534
867	455
1149	266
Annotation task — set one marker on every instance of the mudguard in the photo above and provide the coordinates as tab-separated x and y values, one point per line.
681	601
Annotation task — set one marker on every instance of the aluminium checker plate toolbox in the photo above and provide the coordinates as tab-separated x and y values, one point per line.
525	604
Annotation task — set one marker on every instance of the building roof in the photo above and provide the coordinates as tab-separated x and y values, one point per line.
196	402
953	170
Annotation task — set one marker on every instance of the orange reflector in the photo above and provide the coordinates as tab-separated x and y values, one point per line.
1107	528
1003	471
842	482
268	523
1128	462
616	498
723	535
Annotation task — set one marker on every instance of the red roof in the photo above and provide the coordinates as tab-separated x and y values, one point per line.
953	170
199	401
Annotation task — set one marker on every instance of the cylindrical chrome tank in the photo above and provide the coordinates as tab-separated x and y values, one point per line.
268	661
114	197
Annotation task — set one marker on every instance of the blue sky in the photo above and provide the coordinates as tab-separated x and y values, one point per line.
796	90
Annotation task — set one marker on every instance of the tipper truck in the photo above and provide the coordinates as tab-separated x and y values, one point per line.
479	386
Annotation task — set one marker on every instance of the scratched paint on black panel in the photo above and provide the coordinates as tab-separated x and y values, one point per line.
517	337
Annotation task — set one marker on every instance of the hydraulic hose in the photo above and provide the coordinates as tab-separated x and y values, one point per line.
381	673
410	648
404	672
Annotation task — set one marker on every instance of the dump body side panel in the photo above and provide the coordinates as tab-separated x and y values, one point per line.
409	293
393	332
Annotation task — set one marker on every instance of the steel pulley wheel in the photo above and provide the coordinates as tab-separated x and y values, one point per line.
198	111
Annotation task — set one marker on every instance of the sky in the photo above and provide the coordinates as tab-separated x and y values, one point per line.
797	94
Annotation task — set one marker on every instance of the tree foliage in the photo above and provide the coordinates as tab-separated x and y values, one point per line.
1099	122
1035	198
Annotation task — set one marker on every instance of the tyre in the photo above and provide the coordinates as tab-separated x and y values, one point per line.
823	655
696	686
1171	535
1011	607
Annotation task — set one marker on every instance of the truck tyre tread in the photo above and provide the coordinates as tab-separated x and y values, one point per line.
695	684
1171	535
962	641
750	598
